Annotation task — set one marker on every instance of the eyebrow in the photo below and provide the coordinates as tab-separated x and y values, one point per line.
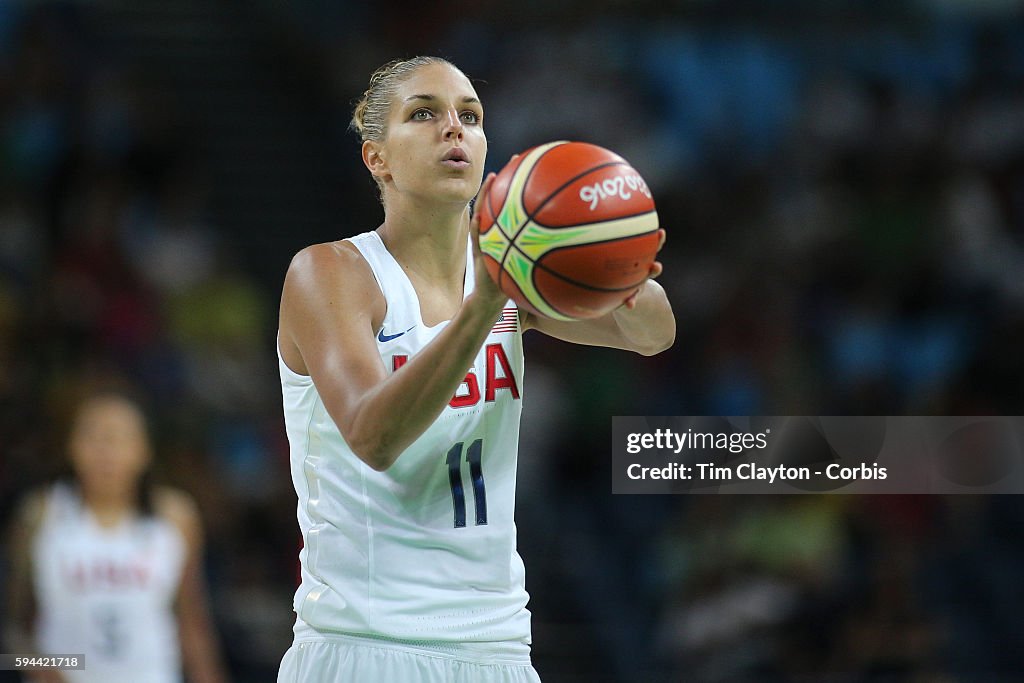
432	98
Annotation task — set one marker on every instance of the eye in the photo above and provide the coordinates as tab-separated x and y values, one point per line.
422	115
470	117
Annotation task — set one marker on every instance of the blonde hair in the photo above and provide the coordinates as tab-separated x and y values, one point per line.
370	117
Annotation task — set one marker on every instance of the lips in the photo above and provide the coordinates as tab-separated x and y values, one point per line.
456	154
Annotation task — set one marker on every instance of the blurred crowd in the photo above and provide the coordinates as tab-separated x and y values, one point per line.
843	188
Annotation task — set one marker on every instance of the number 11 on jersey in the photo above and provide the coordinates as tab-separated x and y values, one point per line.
476	475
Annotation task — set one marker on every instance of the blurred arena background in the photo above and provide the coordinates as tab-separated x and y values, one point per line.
842	182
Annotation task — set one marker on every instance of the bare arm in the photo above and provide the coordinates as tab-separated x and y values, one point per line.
199	644
328	308
21	600
644	324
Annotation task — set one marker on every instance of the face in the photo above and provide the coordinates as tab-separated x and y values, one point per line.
109	447
435	145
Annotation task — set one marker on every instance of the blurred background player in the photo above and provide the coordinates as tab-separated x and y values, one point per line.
109	566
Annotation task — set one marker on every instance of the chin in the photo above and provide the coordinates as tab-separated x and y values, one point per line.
461	190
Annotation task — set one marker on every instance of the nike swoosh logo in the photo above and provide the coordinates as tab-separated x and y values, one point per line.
381	337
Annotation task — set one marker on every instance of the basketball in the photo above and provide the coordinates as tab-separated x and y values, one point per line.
568	230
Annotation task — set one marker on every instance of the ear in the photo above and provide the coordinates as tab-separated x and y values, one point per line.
375	159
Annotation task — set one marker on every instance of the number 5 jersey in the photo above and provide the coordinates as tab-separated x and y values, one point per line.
426	550
107	593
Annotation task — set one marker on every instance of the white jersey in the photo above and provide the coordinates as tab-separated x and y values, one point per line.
425	551
107	593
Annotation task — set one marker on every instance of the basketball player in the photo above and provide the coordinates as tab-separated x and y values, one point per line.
402	367
110	568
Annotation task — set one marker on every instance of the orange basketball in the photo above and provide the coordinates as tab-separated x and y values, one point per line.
568	230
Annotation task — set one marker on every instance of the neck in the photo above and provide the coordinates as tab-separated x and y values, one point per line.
109	508
430	240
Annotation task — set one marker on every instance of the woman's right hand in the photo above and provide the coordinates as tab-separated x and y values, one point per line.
485	288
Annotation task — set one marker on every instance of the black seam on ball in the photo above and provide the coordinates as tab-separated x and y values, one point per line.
583	285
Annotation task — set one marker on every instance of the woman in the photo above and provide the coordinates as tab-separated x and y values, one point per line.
106	566
404	463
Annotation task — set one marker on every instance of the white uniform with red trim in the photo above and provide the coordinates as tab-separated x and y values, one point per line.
424	552
108	593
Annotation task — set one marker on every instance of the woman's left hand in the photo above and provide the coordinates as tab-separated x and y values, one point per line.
655	271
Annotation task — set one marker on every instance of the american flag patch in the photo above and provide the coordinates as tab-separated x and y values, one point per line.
508	321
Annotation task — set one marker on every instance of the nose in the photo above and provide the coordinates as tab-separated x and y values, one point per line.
453	129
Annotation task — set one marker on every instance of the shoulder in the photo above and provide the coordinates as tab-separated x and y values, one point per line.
28	516
180	510
328	260
329	287
324	273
